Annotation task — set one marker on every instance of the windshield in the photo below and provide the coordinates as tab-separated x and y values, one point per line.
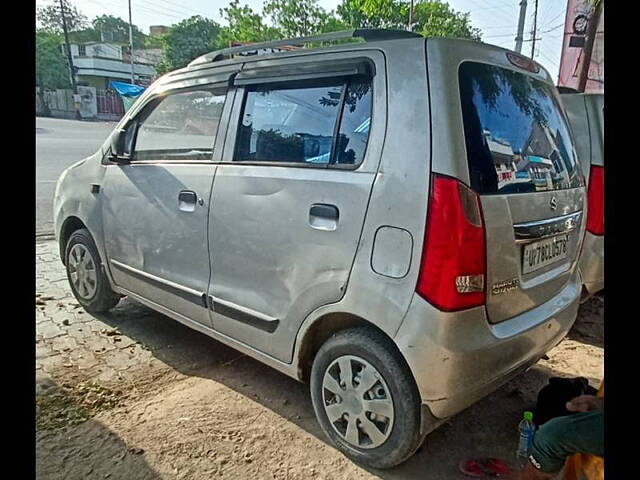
516	135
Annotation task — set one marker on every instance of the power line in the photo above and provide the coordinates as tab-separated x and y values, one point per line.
138	7
533	30
545	13
186	8
504	16
555	63
515	33
563	12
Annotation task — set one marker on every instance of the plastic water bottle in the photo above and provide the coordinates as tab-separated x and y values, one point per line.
527	429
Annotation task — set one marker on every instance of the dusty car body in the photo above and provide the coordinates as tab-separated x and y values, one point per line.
382	219
585	112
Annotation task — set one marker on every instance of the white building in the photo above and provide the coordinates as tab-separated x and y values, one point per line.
99	62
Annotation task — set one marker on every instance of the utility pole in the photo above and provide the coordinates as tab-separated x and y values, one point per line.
533	32
592	31
133	81
411	16
523	12
68	49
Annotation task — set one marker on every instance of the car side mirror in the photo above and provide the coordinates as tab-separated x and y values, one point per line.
118	150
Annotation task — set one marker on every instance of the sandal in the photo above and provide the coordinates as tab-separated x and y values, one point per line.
484	467
497	467
472	468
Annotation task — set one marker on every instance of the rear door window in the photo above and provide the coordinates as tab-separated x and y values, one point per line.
317	122
516	135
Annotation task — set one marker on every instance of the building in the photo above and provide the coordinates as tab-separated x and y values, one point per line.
547	167
504	159
572	57
97	63
158	30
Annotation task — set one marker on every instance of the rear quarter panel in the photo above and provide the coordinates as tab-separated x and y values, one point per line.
399	194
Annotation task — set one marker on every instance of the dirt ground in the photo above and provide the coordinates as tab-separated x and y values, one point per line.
136	395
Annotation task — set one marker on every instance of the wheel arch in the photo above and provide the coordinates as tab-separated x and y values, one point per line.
322	329
70	225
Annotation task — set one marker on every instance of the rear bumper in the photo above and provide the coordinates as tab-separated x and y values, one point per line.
592	263
459	358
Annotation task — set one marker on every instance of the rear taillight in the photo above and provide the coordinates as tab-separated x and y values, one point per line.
452	272
595	196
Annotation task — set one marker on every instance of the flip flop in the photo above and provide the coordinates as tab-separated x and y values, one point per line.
472	468
484	467
496	467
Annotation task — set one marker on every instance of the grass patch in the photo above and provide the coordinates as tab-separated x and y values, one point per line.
68	406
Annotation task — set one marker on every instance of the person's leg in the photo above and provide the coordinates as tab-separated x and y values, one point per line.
532	473
561	437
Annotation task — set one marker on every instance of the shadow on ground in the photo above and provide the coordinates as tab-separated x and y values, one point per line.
589	327
80	439
487	428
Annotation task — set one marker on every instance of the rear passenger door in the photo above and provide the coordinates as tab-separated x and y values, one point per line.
290	197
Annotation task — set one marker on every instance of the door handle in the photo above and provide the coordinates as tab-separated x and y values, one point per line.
187	200
323	216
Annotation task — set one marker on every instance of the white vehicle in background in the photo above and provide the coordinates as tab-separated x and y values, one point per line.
586	118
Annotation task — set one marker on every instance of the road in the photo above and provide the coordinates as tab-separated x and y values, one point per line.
59	144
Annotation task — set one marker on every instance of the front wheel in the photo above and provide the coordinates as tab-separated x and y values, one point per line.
365	398
88	282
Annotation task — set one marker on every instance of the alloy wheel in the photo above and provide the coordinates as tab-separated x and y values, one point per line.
82	271
357	402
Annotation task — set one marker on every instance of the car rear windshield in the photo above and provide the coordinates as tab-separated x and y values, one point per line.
515	132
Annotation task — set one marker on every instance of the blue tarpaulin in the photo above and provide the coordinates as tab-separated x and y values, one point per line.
126	89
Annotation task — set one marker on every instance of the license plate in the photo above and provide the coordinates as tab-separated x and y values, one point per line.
540	254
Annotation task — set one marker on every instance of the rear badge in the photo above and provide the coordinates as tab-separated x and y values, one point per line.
553	203
506	286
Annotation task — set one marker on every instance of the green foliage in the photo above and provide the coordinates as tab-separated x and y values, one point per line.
187	40
51	67
119	28
430	18
244	26
437	19
85	35
50	17
374	13
297	18
153	41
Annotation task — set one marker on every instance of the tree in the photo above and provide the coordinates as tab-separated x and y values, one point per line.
298	18
119	28
51	66
374	13
431	18
50	17
244	26
187	40
438	19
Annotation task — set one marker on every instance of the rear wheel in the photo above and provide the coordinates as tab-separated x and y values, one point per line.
88	282
365	398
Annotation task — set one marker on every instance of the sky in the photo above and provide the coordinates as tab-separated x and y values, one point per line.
497	19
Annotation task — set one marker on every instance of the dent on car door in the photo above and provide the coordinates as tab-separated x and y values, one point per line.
288	207
156	206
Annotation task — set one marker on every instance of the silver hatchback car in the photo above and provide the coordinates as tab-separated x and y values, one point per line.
395	221
585	112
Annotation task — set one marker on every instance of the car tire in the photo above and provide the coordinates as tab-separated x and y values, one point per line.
86	276
360	346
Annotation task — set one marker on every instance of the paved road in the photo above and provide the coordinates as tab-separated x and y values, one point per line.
59	144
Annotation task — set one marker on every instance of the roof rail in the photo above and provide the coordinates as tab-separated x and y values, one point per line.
368	34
